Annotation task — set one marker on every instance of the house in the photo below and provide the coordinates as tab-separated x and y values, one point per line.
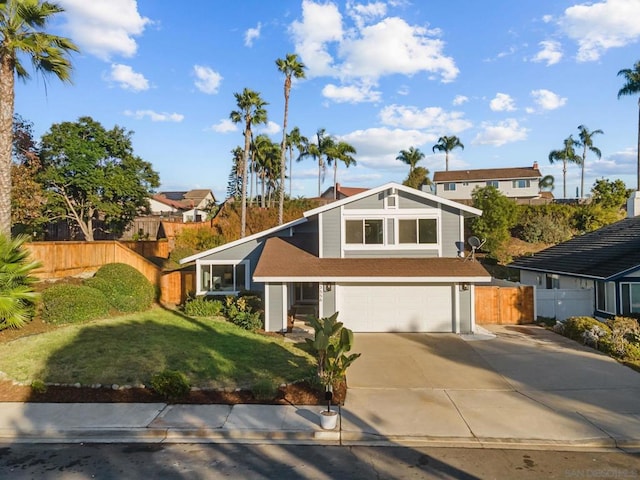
341	192
520	183
191	205
606	260
388	259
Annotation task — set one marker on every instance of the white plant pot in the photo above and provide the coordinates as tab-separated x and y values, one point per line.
328	419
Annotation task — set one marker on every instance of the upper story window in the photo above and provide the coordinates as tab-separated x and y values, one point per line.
391	201
364	231
493	183
449	187
521	183
418	230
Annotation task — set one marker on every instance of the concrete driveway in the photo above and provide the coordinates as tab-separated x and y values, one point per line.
524	385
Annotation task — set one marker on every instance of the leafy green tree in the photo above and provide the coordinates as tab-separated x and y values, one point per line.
586	142
234	185
417	177
22	24
411	157
592	216
92	174
340	152
291	66
251	111
16	282
610	194
566	155
499	215
632	87
550	223
267	164
446	144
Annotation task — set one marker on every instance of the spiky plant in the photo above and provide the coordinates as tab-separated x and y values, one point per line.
16	283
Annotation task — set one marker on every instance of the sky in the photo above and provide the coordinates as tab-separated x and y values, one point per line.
511	79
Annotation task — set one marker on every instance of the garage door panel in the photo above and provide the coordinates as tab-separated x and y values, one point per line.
395	308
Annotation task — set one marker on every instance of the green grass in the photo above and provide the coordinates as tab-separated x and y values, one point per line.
130	349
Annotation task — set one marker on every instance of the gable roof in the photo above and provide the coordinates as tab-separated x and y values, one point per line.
487	174
393	185
283	260
183	200
167	201
342	191
604	254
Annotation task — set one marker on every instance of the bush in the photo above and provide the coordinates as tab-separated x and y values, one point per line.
239	312
576	328
64	303
126	288
264	390
625	333
202	307
172	385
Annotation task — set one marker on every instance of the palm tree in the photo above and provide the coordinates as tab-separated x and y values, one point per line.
291	67
21	32
586	142
411	157
340	151
318	151
16	291
251	111
566	155
446	144
632	87
546	183
294	140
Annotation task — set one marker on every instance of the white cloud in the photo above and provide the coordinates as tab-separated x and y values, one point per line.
105	28
460	99
271	128
155	116
251	34
502	103
550	52
224	126
351	93
362	13
431	118
500	133
547	100
597	27
127	79
208	80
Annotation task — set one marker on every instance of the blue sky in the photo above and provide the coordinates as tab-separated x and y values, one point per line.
512	79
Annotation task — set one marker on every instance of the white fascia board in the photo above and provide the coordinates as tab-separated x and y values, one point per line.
374	279
240	241
397	186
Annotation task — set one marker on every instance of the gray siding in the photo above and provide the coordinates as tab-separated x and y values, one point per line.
406	200
465	311
331	238
374	202
451	233
273	291
329	302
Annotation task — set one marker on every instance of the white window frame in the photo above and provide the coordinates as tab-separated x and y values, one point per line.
417	245
492	183
208	263
364	246
449	186
388	205
526	183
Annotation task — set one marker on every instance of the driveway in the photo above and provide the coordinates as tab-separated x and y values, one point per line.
524	385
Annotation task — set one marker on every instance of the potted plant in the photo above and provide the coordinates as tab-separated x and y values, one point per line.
331	344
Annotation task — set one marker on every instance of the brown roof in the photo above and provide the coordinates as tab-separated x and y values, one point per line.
487	174
159	197
349	191
280	259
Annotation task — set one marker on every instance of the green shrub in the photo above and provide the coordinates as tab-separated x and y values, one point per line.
253	299
576	327
172	385
64	303
264	390
126	288
625	333
38	386
238	311
202	307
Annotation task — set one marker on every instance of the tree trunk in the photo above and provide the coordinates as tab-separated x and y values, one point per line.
638	169
564	179
335	178
319	175
584	158
446	161
7	93
283	150
245	160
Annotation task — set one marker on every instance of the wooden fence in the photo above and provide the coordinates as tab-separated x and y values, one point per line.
504	305
68	259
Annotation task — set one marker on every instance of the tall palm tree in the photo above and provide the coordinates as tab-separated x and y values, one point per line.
294	140
632	87
586	142
291	67
446	144
21	32
546	183
566	155
318	151
251	111
411	157
340	152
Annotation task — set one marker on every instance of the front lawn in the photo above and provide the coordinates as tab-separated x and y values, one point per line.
128	350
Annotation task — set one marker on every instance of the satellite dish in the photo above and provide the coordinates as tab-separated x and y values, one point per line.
475	243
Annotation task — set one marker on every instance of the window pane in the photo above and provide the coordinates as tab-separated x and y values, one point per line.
407	231
635	297
241	270
600	296
353	231
205	279
222	277
428	230
373	232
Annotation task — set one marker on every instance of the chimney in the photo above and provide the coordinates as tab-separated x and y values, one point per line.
535	165
633	205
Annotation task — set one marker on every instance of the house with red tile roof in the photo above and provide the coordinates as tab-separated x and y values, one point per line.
390	258
191	205
341	192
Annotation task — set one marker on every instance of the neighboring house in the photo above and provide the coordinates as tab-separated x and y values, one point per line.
191	205
341	192
388	259
520	183
606	260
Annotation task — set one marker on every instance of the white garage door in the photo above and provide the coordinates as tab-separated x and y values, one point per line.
395	308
